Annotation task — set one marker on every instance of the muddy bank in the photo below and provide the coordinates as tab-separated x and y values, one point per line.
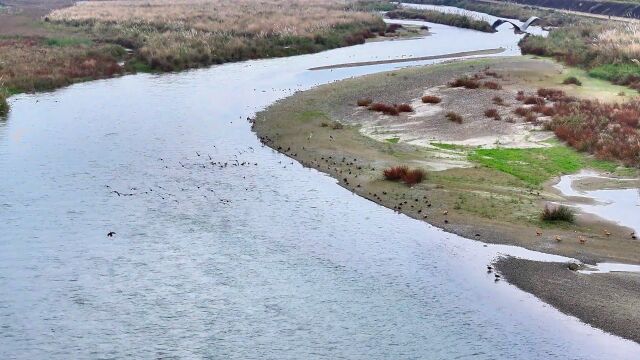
608	301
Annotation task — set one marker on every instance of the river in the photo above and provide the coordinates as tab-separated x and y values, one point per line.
265	260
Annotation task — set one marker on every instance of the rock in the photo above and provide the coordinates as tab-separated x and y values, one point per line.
573	266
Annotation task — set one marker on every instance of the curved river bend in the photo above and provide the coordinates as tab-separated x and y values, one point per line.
262	260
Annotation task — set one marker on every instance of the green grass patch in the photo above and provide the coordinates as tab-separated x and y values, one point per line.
618	73
67	41
447	146
535	166
393	140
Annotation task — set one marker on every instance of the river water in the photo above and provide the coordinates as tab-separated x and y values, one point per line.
262	260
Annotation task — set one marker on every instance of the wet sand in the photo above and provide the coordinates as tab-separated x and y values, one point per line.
607	301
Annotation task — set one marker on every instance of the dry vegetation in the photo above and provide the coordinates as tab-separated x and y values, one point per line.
404	174
431	99
89	39
457	20
177	34
388	109
38	64
610	131
558	213
608	50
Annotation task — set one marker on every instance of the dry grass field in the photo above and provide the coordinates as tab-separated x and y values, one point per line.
48	44
172	35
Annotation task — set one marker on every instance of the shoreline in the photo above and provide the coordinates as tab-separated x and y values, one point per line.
370	182
299	126
606	301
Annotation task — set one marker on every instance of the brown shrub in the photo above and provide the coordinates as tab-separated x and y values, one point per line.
384	108
534	100
465	82
365	102
498	100
492	113
520	95
609	131
430	99
395	173
531	117
551	94
413	176
492	85
408	176
455	117
404	108
522	111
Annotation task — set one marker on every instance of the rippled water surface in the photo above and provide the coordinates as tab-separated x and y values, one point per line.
261	260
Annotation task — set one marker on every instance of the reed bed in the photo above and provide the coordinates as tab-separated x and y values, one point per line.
457	20
177	34
33	64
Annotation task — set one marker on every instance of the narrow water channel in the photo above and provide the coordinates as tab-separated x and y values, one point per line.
265	259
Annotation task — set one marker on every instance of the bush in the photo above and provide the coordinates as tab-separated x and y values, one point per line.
384	108
609	131
520	95
364	102
408	176
572	80
492	85
455	117
558	213
533	100
404	108
522	111
465	82
498	100
492	113
552	94
413	176
395	173
430	99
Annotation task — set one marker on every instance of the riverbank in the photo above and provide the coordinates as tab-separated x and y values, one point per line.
83	41
608	301
324	129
